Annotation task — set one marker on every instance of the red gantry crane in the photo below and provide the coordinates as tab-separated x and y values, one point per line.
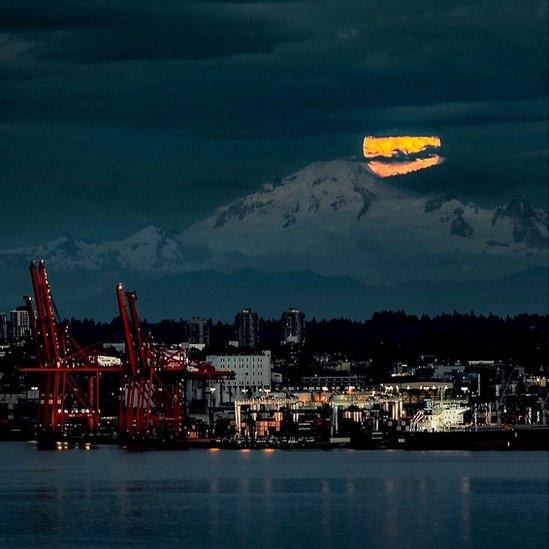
70	384
152	396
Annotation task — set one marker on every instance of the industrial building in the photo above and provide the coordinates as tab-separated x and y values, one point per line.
315	414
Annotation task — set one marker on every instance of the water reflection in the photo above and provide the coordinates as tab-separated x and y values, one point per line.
465	513
214	527
325	519
390	525
232	499
270	510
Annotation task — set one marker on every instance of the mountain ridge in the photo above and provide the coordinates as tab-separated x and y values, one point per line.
328	204
220	296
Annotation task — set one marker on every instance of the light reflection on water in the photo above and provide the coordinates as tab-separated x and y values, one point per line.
304	498
465	513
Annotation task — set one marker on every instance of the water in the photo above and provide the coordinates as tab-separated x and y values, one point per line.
339	498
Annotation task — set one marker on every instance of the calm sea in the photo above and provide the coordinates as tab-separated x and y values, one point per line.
229	498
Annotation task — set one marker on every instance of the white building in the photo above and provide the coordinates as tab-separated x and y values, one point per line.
252	375
106	360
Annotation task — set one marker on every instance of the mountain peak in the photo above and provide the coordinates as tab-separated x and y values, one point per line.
150	231
336	218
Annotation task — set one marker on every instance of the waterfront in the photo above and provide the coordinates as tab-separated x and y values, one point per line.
280	498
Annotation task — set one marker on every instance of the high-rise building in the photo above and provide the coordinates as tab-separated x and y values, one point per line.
293	326
3	327
247	328
19	327
198	331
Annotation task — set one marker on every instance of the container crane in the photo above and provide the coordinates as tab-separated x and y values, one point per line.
70	378
153	393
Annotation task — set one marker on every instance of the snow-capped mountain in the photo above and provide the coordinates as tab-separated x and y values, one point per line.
336	219
150	249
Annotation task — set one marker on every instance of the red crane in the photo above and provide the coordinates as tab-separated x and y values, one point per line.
69	390
152	394
152	397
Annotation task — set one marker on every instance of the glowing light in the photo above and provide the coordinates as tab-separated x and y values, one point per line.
386	169
214	449
269	450
390	147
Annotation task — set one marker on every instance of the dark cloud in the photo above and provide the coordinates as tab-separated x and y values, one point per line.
16	74
302	68
110	98
96	32
18	16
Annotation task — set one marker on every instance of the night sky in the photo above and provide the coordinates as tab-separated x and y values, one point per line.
118	114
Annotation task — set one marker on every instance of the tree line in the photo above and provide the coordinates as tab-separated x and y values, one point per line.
387	335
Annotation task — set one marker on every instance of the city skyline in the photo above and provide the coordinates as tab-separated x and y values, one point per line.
274	273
